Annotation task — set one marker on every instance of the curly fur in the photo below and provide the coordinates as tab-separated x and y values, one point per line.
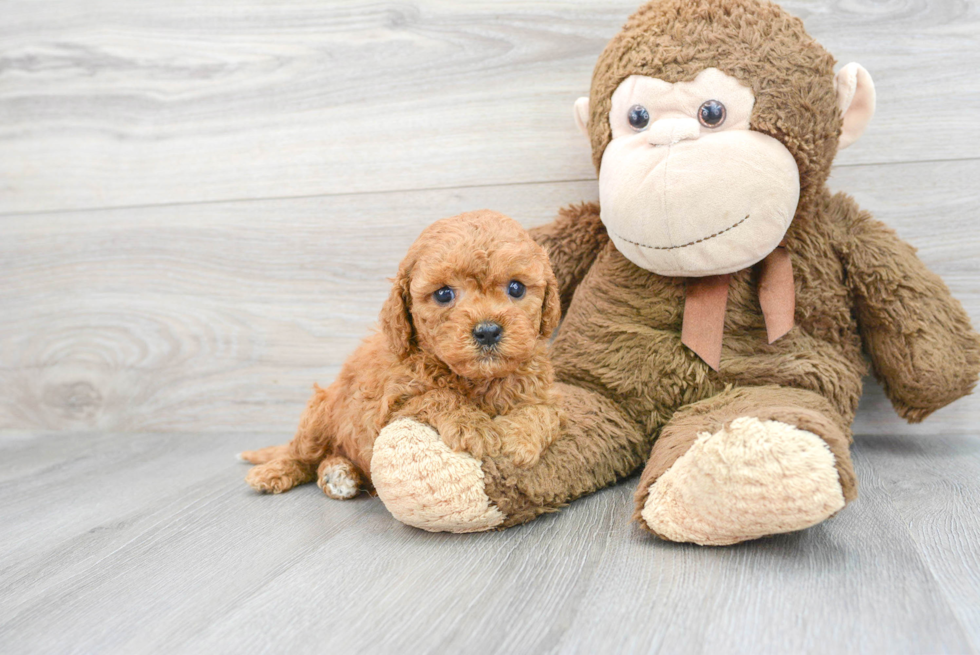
424	363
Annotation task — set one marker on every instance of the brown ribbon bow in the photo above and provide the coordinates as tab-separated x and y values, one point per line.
706	298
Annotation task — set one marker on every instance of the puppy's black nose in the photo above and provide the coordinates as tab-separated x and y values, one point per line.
487	334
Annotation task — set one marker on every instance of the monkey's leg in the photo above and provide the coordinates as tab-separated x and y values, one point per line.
747	463
425	484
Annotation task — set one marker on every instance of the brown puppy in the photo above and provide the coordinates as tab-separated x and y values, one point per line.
462	346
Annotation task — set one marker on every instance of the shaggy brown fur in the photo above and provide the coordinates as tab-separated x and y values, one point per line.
425	363
628	380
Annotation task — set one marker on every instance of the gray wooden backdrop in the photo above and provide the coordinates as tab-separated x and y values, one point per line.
199	205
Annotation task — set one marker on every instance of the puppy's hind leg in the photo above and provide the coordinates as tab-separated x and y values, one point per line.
279	475
280	468
339	478
263	455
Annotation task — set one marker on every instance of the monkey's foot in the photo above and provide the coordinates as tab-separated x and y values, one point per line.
750	479
425	484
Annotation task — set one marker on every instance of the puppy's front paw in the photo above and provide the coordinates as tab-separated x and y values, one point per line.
338	478
524	453
478	440
525	440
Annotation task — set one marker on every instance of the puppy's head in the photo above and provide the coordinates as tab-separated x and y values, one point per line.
475	291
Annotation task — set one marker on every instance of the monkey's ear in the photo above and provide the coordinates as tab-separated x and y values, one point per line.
856	100
582	115
551	311
396	315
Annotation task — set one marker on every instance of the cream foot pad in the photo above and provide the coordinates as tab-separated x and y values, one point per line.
426	485
751	479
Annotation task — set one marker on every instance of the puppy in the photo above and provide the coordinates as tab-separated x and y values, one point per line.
462	346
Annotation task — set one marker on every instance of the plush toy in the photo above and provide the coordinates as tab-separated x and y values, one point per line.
719	306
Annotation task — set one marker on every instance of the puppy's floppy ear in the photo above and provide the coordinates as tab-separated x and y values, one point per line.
551	311
396	314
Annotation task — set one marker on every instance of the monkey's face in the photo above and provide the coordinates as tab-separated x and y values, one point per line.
685	187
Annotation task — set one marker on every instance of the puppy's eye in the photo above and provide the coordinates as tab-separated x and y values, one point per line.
711	113
444	296
516	290
639	117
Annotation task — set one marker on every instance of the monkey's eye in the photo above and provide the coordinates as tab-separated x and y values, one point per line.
444	296
711	113
516	290
639	117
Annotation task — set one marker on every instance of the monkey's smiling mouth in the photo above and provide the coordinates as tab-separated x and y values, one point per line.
684	245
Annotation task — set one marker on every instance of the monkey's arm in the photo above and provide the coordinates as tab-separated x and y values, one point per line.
572	242
922	347
461	426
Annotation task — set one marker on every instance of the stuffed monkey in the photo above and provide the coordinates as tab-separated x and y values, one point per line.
718	302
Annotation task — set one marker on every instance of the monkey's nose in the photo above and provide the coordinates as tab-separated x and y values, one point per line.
668	131
487	333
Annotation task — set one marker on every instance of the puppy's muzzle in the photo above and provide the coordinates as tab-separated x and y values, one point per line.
487	334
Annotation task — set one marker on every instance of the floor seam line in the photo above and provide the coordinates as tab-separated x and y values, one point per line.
82	210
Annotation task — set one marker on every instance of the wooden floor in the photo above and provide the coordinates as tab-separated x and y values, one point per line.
199	205
150	542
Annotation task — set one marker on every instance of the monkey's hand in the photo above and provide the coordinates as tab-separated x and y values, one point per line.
920	341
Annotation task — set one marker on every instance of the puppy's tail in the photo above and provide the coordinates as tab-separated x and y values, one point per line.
264	455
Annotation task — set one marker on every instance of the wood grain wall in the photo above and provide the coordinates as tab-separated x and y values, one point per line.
200	202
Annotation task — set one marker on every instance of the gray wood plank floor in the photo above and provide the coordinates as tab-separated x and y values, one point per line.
199	205
150	542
